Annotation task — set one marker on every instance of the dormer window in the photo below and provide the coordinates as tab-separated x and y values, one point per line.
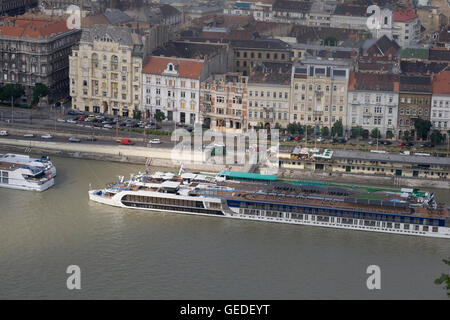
170	67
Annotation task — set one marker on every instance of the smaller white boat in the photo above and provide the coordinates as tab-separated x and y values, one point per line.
25	173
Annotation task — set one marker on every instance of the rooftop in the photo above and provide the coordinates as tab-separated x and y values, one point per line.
351	10
404	15
186	68
271	73
292	6
189	50
441	83
413	53
373	82
439	54
400	158
35	27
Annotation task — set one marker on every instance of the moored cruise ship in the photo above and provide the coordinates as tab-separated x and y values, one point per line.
264	198
25	173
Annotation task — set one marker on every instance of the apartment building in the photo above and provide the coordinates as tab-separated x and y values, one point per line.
35	49
373	101
172	86
414	102
440	102
105	71
223	102
269	91
247	53
407	29
319	92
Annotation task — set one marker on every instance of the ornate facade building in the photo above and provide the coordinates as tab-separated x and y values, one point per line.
105	71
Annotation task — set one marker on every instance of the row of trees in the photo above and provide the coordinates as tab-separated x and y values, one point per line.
336	130
12	92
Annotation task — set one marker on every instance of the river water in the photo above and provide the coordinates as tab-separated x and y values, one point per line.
125	253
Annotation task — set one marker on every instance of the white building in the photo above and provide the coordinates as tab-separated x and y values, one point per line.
172	86
373	102
407	29
440	102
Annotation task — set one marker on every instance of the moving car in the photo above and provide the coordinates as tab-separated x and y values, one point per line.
125	141
61	120
28	135
47	136
155	141
3	133
71	121
108	126
91	138
73	139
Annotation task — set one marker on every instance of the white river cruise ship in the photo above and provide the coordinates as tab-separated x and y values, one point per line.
259	197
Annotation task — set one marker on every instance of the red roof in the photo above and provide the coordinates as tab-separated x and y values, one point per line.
441	83
187	68
32	27
404	15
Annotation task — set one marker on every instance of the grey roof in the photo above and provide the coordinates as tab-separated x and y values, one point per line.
121	35
116	16
399	158
267	44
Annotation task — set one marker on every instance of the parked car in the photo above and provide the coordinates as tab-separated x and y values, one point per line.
155	141
320	139
371	142
71	121
73	139
401	144
57	104
385	142
47	136
61	120
108	126
427	145
3	133
339	140
297	138
81	119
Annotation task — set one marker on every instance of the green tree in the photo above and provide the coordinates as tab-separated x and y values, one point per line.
436	137
11	90
356	132
389	134
365	134
407	136
325	132
278	126
422	128
337	129
160	116
40	91
330	41
137	114
375	133
444	279
310	130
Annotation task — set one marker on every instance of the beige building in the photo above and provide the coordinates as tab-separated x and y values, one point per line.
269	90
105	71
223	102
319	92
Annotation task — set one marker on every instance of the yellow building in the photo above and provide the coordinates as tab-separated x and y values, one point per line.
105	71
319	92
